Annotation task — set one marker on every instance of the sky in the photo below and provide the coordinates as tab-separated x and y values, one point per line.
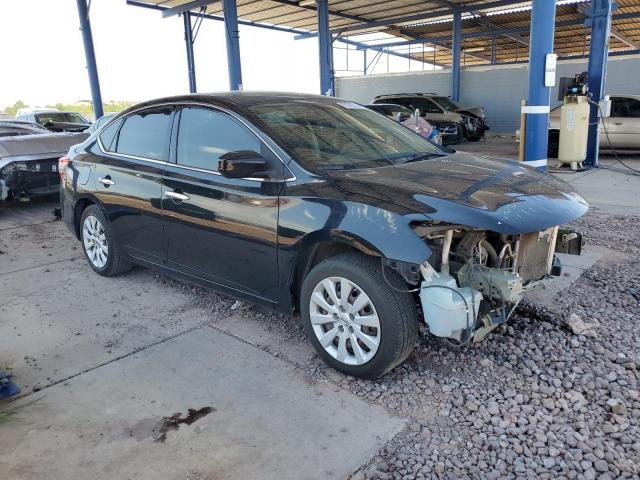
141	55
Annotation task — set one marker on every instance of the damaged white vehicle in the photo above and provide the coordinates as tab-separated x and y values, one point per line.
29	157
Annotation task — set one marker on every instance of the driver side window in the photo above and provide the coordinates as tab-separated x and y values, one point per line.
205	135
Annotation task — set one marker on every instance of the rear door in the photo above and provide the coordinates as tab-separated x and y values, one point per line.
220	229
128	179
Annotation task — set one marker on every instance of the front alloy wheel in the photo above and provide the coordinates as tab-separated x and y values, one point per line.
95	241
344	321
356	321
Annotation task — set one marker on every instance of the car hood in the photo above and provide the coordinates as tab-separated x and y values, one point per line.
39	143
478	111
464	189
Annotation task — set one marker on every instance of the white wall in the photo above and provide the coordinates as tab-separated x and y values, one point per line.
499	88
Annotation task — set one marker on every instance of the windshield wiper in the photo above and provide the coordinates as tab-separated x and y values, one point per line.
421	156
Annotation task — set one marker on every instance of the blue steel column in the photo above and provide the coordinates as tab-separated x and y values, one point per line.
90	54
543	16
455	56
188	39
600	20
233	44
325	48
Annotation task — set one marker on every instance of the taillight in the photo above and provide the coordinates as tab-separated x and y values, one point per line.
63	162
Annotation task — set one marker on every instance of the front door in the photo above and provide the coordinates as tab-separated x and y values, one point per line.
220	229
128	180
623	126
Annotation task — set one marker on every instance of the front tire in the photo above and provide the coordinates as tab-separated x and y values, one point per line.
354	319
102	252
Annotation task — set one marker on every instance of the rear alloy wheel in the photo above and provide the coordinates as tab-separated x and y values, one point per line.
100	247
354	319
95	243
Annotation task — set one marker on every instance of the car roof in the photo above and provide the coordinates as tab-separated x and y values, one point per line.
392	95
389	105
237	101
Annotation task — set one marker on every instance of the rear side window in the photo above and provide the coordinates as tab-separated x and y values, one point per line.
145	134
108	136
204	135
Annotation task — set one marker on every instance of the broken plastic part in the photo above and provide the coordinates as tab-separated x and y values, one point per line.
449	311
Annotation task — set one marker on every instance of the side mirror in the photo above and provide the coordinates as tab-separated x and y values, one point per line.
241	164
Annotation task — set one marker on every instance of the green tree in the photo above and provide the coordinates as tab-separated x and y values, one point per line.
16	106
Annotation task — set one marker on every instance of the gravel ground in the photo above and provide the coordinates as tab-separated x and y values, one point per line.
533	400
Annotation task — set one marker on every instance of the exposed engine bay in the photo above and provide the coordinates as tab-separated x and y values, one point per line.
475	279
24	178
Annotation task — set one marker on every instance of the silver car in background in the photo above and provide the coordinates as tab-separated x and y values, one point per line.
29	156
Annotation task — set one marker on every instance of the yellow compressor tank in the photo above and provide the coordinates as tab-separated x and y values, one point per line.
574	129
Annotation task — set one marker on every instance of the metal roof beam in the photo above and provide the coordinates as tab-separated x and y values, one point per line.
481	18
220	18
313	8
427	15
614	32
502	31
173	11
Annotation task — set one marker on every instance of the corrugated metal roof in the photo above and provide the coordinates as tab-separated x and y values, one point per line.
571	38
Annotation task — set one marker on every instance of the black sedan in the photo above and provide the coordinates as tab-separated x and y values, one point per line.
319	206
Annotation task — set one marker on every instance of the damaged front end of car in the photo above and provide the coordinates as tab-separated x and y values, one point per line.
24	177
475	279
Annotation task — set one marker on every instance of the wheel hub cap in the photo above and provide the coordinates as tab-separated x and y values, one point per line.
95	241
344	320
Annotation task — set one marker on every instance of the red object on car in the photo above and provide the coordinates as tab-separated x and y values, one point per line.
62	163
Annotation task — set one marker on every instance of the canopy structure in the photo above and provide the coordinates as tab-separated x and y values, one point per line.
492	31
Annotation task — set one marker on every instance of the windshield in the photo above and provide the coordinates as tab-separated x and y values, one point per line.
446	103
60	117
338	135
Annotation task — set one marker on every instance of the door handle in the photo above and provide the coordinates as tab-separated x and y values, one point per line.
176	195
106	181
618	123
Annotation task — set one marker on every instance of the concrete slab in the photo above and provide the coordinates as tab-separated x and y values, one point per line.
272	336
266	421
59	319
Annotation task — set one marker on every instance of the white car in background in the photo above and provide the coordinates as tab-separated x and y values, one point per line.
622	127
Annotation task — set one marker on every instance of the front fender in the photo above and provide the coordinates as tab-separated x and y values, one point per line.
305	223
368	228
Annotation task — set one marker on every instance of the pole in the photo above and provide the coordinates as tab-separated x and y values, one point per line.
232	35
90	54
455	56
600	19
543	14
188	39
325	49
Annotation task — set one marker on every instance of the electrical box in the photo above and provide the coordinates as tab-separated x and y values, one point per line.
550	69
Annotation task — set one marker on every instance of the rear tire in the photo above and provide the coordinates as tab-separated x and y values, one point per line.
383	330
102	252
